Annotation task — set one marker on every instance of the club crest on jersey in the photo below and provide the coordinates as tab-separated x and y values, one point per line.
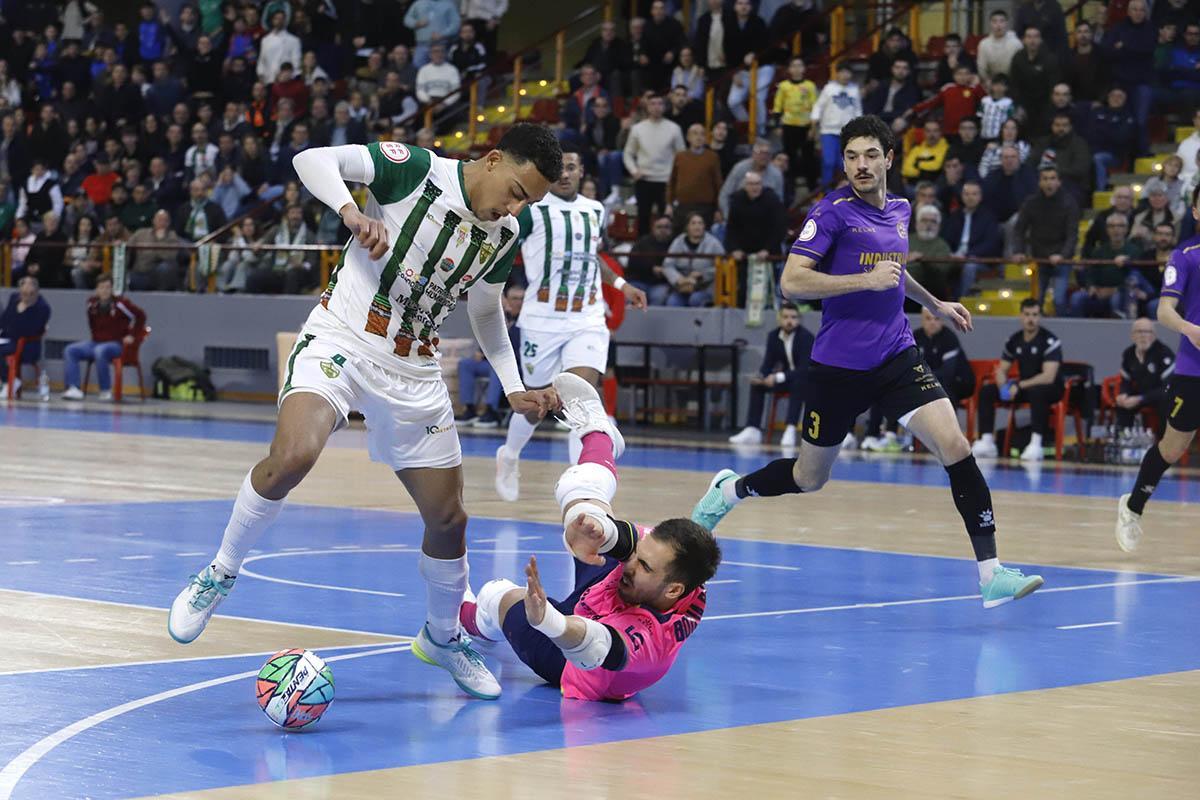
808	231
901	230
1169	275
460	235
485	252
447	264
394	151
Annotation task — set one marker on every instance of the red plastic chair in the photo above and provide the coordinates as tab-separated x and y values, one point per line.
983	369
14	363
1058	416
129	358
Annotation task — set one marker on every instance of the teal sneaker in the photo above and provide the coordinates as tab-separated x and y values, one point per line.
713	507
461	660
194	606
1008	584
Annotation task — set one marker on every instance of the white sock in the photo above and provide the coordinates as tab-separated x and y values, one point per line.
487	608
574	446
445	584
252	515
986	568
729	492
1035	441
519	434
987	438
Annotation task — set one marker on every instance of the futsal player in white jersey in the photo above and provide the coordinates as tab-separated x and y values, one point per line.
562	320
433	228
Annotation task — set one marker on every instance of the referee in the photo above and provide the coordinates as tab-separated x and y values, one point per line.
850	254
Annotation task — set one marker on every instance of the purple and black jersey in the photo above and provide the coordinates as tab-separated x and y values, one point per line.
1181	279
847	235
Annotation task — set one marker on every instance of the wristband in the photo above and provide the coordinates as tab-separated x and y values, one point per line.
619	283
553	624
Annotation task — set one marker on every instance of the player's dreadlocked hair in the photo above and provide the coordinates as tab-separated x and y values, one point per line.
697	554
527	141
868	126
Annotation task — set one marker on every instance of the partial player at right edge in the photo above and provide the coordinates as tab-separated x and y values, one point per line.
1181	286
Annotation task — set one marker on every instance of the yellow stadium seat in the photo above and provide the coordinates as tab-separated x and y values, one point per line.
1182	133
1148	165
1101	200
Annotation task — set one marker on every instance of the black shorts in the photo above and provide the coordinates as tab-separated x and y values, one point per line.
1183	403
533	647
836	396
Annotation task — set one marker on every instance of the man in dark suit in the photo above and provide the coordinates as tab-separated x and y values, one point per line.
784	365
891	99
612	58
973	230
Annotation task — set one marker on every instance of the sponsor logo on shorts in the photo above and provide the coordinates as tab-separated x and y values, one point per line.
431	430
330	370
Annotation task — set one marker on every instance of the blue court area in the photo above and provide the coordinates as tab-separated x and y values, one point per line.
791	632
1047	478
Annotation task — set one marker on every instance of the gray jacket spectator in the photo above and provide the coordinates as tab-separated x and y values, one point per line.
691	279
760	162
156	269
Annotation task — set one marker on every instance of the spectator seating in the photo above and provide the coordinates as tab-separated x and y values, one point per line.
130	357
1058	410
16	361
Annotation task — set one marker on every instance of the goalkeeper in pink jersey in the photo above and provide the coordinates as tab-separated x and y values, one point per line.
639	592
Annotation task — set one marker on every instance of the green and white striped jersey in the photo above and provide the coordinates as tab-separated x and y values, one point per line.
560	244
438	250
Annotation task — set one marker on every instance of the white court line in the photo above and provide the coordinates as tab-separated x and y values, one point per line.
135	558
291	551
163	609
720	582
192	553
395	640
345	547
760	566
16	769
925	600
1087	625
21	563
80	560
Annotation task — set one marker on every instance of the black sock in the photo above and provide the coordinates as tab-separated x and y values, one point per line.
1152	469
973	500
771	481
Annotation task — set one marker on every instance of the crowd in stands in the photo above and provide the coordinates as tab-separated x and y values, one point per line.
160	129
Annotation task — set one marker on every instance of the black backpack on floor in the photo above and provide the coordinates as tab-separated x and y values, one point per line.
177	378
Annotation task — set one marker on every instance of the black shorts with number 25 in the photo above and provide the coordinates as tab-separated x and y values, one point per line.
1183	403
836	396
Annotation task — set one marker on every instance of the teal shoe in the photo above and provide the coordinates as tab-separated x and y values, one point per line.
1008	584
713	507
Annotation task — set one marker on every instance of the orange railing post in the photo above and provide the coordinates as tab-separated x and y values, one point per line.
796	44
685	10
946	11
608	11
837	29
560	47
709	95
472	112
518	62
429	118
914	25
752	100
6	264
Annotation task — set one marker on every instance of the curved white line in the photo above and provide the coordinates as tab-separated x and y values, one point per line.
15	770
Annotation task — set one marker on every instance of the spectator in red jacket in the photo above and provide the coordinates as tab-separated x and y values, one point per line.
957	100
100	183
115	322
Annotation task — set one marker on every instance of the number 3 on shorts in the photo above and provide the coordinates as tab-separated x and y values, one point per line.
1178	405
814	425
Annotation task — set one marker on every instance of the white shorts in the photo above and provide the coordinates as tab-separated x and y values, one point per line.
544	354
410	421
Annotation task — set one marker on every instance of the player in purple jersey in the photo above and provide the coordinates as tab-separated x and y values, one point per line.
850	254
1180	292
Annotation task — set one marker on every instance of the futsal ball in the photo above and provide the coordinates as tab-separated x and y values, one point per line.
294	688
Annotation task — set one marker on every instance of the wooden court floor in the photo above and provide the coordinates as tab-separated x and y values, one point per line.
1077	735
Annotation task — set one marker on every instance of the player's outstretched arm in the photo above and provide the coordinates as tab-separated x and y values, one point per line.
1169	316
954	313
324	172
633	295
487	323
586	643
802	281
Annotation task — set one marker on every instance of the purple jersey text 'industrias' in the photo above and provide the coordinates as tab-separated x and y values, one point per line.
1181	279
846	235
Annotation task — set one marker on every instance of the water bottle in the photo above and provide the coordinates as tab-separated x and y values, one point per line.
44	387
